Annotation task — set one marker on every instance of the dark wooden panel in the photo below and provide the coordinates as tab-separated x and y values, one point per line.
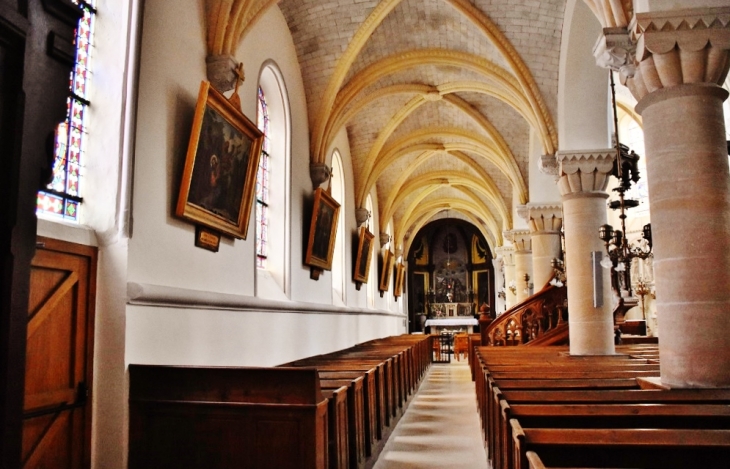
26	130
188	417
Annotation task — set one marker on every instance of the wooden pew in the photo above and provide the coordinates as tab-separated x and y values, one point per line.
337	428
622	378
648	448
357	435
497	428
584	416
391	369
195	417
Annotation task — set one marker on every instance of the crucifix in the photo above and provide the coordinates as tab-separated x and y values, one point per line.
239	77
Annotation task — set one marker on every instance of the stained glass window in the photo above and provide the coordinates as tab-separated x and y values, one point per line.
262	185
61	198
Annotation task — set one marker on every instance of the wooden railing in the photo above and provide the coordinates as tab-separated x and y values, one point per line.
541	314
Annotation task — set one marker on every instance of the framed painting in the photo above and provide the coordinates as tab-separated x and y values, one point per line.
399	272
362	258
219	177
322	230
386	269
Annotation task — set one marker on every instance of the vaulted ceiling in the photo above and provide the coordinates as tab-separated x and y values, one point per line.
438	98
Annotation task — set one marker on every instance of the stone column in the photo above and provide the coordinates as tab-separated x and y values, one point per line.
582	183
508	257
545	222
682	60
522	243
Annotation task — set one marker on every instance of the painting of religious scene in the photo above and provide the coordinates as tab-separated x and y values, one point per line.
220	169
320	248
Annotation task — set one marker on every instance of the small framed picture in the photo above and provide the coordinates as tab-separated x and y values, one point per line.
385	270
322	231
399	274
219	178
362	259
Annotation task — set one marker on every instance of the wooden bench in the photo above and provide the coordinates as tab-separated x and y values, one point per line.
358	443
389	370
195	417
648	448
337	428
584	416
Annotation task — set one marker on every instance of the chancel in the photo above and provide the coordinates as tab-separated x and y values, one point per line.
184	189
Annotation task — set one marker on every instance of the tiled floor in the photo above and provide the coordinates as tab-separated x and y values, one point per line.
441	427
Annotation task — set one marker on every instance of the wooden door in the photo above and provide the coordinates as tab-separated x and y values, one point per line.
57	411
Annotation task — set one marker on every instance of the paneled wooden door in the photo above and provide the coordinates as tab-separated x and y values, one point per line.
57	410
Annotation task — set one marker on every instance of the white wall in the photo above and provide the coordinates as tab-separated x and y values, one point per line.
583	122
161	250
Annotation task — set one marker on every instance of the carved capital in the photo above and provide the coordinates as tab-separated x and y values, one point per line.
615	50
522	212
584	171
319	173
384	238
545	218
679	47
548	164
361	215
221	72
522	240
506	253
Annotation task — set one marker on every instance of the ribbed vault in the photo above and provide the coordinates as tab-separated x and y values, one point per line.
439	97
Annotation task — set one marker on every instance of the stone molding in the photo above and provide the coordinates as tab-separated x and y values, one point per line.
361	215
319	173
548	164
584	171
522	212
507	254
521	240
545	218
160	296
220	70
384	238
614	49
680	47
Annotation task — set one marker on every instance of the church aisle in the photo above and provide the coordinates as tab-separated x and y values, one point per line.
440	428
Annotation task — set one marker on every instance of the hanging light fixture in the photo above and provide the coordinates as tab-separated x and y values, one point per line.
619	251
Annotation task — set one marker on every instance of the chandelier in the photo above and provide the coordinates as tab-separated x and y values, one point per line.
620	252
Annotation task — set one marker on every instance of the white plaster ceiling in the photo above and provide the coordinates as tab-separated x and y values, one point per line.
438	98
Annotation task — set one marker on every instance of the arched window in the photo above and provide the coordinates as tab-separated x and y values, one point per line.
61	198
339	259
273	187
632	135
262	185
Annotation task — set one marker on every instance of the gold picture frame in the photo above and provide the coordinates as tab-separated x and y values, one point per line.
364	253
219	177
322	230
386	268
399	271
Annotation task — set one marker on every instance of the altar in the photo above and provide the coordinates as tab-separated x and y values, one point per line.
465	324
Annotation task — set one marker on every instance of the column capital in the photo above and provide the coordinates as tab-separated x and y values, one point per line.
678	47
506	253
548	164
615	50
319	174
522	212
521	240
584	171
545	218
